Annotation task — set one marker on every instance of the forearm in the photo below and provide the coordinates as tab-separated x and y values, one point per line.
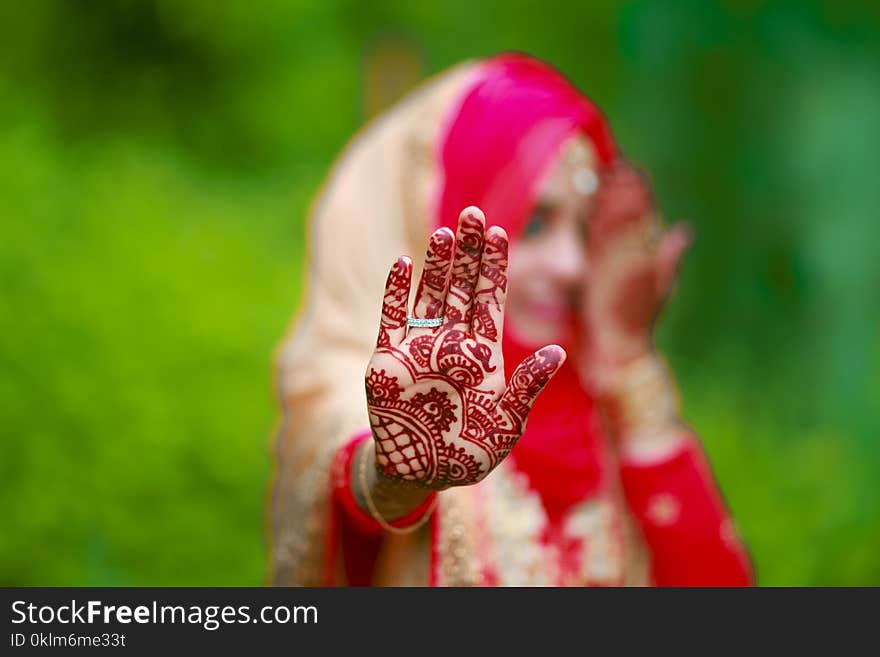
668	482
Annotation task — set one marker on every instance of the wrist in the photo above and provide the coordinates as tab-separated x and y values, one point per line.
641	402
393	498
616	351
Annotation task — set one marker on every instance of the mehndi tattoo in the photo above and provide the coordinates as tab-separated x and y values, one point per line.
439	409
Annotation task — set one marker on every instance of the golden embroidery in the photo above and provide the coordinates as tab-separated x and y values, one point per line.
663	509
612	552
594	522
515	520
456	552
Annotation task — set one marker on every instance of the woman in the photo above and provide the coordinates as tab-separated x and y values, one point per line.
432	477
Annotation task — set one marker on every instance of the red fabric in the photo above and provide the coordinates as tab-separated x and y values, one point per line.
562	451
685	523
506	132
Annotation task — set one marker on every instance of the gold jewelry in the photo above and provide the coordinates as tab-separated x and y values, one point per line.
645	393
362	475
585	181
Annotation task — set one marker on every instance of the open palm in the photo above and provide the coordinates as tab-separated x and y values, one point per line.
440	410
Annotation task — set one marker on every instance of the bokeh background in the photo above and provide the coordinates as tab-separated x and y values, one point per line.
157	159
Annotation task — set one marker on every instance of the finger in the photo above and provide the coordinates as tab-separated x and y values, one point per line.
392	326
491	292
528	381
465	267
623	200
670	252
434	281
631	198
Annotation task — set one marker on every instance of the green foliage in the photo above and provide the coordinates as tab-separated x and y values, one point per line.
156	166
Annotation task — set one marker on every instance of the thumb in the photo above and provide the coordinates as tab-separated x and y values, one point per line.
529	379
672	248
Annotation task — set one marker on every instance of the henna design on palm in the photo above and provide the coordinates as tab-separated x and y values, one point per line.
439	408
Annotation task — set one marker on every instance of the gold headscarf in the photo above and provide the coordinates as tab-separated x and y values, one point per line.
374	206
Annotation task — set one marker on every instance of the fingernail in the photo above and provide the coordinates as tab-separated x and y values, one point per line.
497	232
554	351
474	213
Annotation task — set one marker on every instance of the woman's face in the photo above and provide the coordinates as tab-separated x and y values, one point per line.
548	261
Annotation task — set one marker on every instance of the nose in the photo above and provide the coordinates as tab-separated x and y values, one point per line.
567	257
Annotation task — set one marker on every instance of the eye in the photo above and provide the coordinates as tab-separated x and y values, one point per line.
536	224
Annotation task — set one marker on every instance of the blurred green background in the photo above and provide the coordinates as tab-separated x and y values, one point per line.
156	164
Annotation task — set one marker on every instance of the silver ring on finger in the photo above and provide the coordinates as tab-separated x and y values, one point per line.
424	322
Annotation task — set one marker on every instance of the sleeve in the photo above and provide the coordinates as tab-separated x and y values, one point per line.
355	535
685	523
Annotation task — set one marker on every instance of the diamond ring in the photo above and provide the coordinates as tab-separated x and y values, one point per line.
419	322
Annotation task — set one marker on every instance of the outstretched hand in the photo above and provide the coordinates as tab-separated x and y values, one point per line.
440	411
